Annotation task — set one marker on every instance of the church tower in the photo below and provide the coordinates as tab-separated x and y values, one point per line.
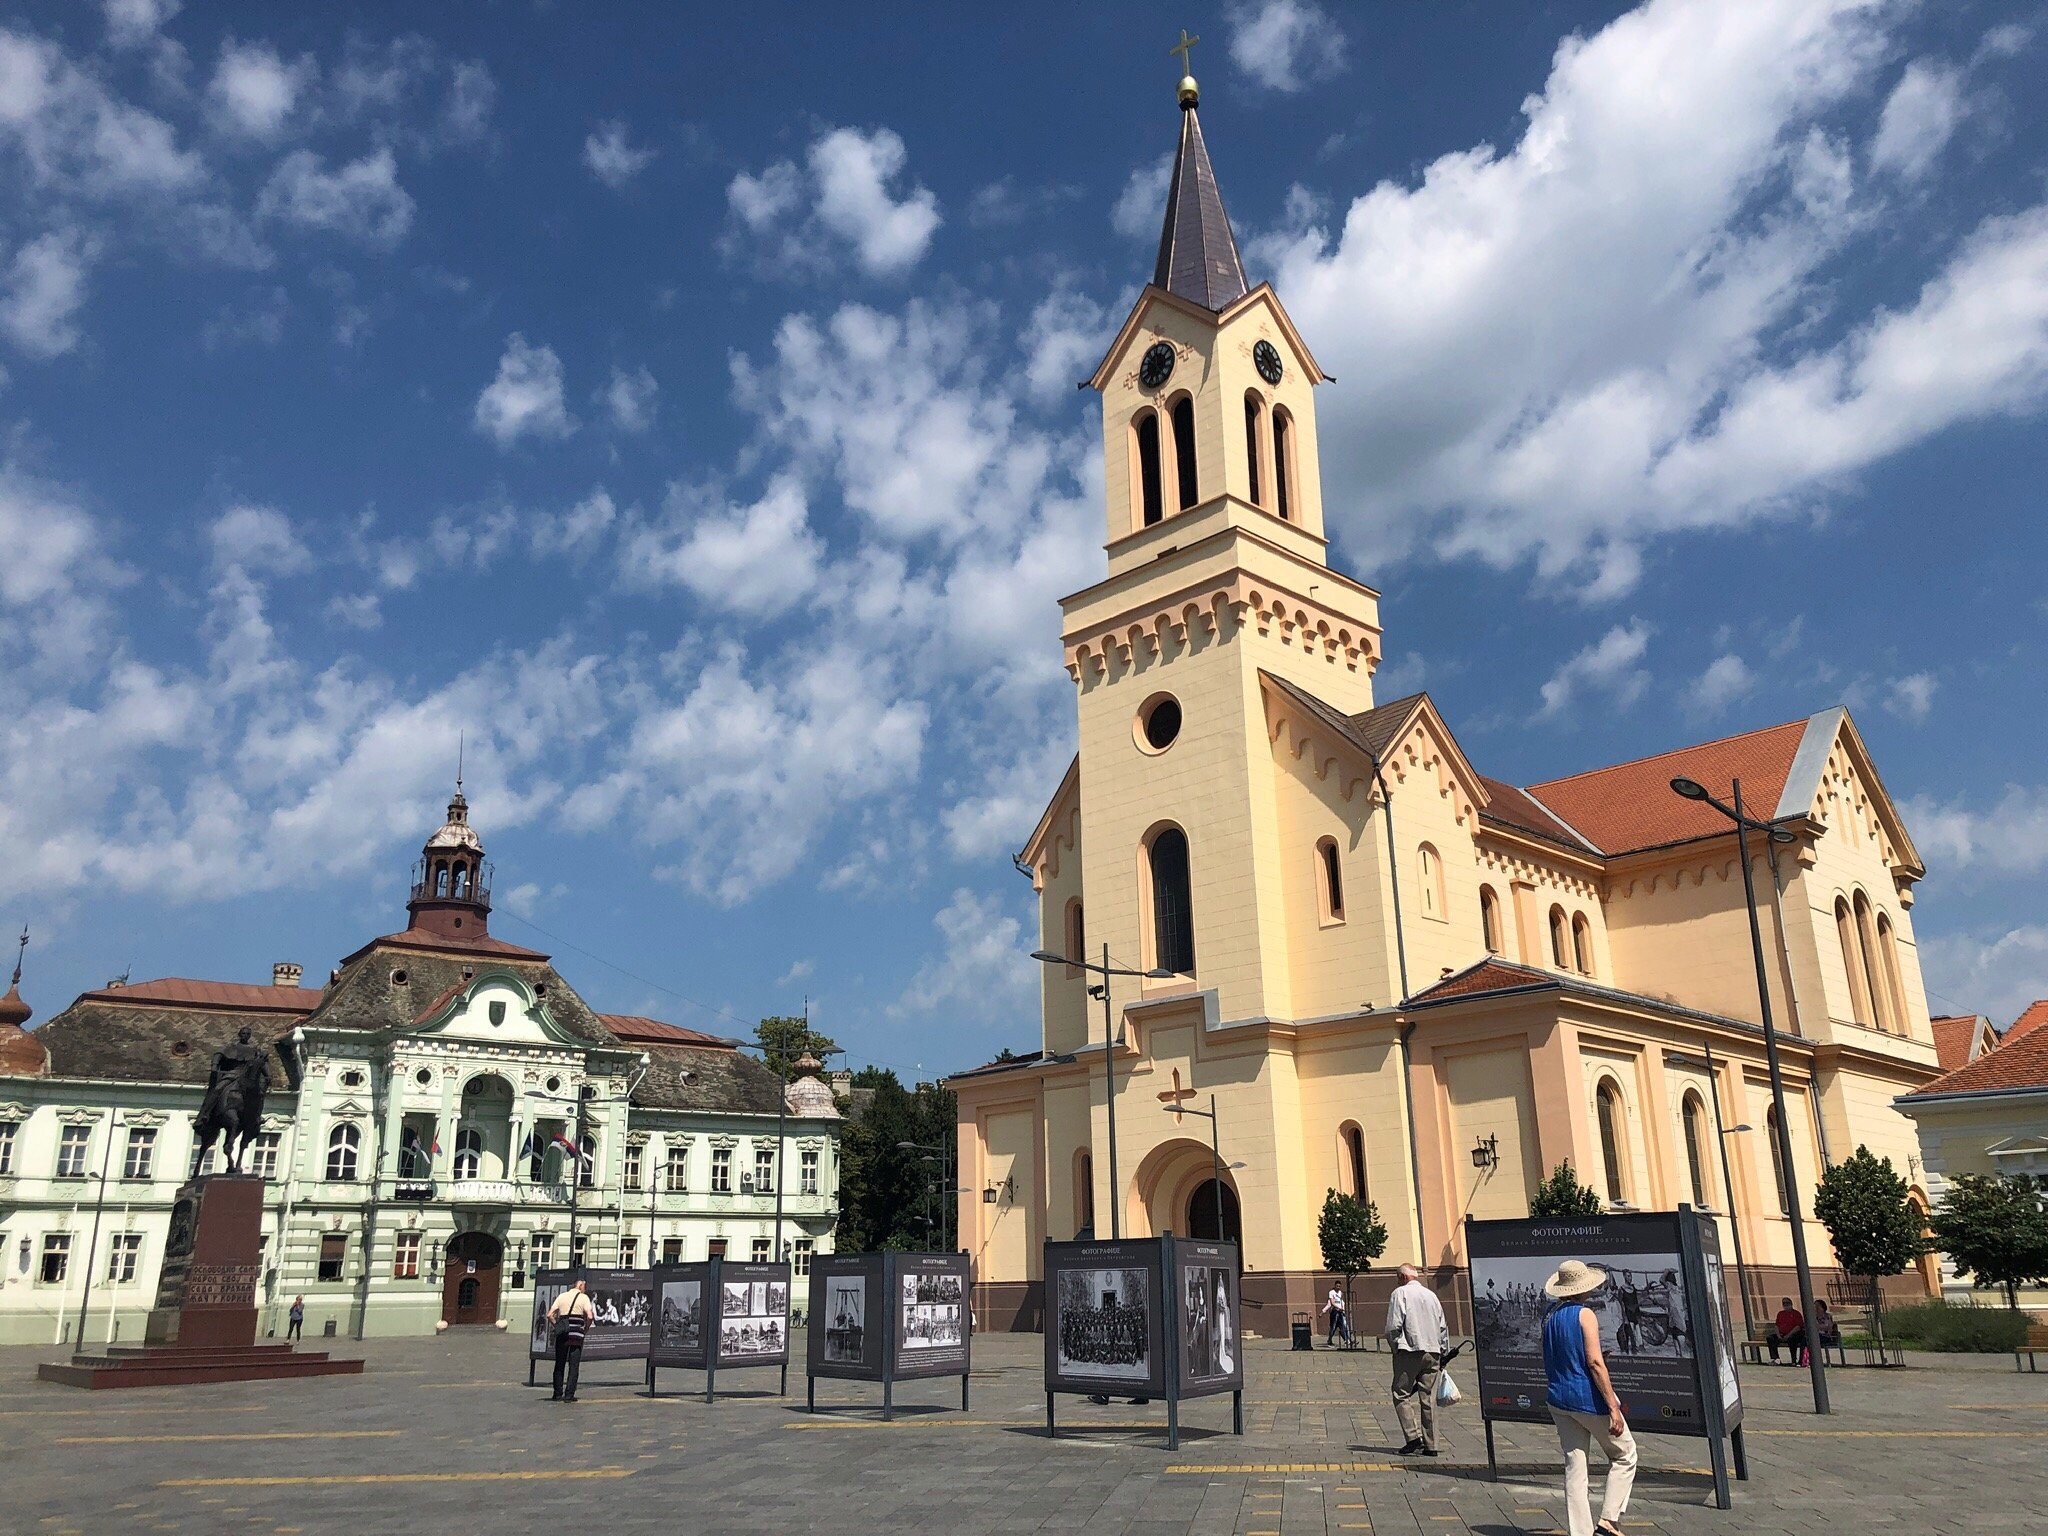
1218	578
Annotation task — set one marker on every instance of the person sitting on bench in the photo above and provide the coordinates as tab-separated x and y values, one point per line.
1827	1333
1790	1331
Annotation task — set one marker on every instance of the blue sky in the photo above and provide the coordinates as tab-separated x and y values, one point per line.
679	402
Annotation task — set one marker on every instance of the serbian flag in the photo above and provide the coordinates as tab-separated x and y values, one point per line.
415	1148
570	1147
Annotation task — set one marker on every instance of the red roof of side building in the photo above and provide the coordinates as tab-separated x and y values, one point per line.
2031	1018
645	1031
1632	806
181	991
1954	1036
1490	975
2016	1064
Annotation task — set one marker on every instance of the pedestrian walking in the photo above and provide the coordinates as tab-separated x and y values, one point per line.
295	1323
1421	1338
571	1314
1583	1401
1340	1319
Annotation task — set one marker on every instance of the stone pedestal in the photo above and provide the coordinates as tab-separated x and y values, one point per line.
213	1259
203	1326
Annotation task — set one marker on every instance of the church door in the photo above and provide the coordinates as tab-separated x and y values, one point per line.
469	1289
1202	1214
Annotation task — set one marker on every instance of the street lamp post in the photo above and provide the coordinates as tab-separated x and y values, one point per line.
92	1247
942	1186
1691	790
1215	1156
1105	971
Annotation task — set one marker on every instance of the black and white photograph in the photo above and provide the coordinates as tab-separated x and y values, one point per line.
738	1299
622	1303
845	1319
934	1325
681	1326
740	1337
544	1294
1641	1309
1724	1334
1104	1325
934	1289
1208	1323
753	1318
777	1302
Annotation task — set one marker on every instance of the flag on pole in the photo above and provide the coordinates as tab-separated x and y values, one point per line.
570	1147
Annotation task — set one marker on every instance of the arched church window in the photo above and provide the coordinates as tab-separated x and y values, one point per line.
1330	879
1694	1116
1777	1161
1607	1109
1852	962
1184	450
1352	1145
1173	911
1582	943
1866	949
1077	933
1432	868
343	1144
1283	465
1251	444
1894	981
1145	449
469	1151
1489	920
1560	943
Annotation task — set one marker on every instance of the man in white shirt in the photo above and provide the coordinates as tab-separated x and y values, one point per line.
1421	1338
1340	1320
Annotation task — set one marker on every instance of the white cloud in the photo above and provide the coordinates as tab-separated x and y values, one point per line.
756	560
253	92
629	399
1285	44
1616	328
2009	838
257	539
1611	666
132	23
43	290
612	158
361	200
1141	205
1911	697
982	970
526	398
579	530
1063	342
741	775
1728	680
797	971
848	182
75	136
1993	973
472	93
1919	117
992	822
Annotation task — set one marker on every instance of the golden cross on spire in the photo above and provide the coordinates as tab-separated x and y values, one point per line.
1181	48
1175	1096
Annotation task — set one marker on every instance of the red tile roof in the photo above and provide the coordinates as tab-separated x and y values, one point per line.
181	991
420	938
2031	1018
1518	808
1490	975
2021	1063
644	1031
1953	1036
1631	805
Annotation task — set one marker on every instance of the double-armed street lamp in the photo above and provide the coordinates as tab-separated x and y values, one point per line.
1215	1156
1744	824
1101	990
942	1175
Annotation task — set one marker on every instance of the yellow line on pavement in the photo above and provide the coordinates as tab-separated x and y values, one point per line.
1066	1430
579	1473
275	1434
1905	1434
1224	1469
100	1413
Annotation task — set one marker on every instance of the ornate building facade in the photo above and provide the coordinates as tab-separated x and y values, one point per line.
417	1135
1399	977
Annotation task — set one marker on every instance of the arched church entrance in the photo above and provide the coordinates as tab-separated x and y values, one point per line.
1212	1214
1174	1190
469	1285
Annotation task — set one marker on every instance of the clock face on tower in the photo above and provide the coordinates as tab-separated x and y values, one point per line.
1266	358
1156	367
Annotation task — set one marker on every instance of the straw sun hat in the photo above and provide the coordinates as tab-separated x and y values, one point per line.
1574	1279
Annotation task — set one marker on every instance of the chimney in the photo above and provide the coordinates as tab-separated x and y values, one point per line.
115	984
842	1082
285	973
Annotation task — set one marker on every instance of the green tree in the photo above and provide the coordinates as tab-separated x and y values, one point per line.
1875	1228
889	1196
1995	1229
1563	1195
784	1038
1352	1235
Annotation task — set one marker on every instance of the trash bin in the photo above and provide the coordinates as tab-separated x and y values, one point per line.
1302	1331
328	1331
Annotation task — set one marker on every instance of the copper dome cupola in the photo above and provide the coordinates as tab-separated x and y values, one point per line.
21	1053
451	883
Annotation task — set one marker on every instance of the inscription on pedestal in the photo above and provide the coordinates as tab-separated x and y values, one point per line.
221	1285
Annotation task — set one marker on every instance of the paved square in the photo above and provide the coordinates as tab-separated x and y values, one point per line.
444	1434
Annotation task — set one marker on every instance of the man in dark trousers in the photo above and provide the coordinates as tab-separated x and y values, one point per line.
571	1315
295	1320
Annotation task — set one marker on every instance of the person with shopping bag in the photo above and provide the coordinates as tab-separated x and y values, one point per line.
1583	1401
1421	1338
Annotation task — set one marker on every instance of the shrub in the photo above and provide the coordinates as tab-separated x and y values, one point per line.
1938	1325
1563	1195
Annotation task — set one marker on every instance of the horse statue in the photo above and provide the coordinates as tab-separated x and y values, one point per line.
232	1110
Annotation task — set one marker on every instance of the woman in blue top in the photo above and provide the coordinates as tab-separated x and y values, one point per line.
1583	1400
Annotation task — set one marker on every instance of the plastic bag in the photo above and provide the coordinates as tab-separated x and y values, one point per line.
1447	1391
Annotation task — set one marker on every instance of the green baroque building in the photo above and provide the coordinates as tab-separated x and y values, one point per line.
416	1139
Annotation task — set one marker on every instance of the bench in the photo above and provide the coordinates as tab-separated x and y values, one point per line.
1759	1340
2035	1341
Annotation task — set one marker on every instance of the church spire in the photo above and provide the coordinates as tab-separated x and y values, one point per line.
1198	257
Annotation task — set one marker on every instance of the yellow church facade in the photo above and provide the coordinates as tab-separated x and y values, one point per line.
1397	976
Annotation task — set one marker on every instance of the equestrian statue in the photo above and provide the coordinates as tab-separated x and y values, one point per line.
233	1107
